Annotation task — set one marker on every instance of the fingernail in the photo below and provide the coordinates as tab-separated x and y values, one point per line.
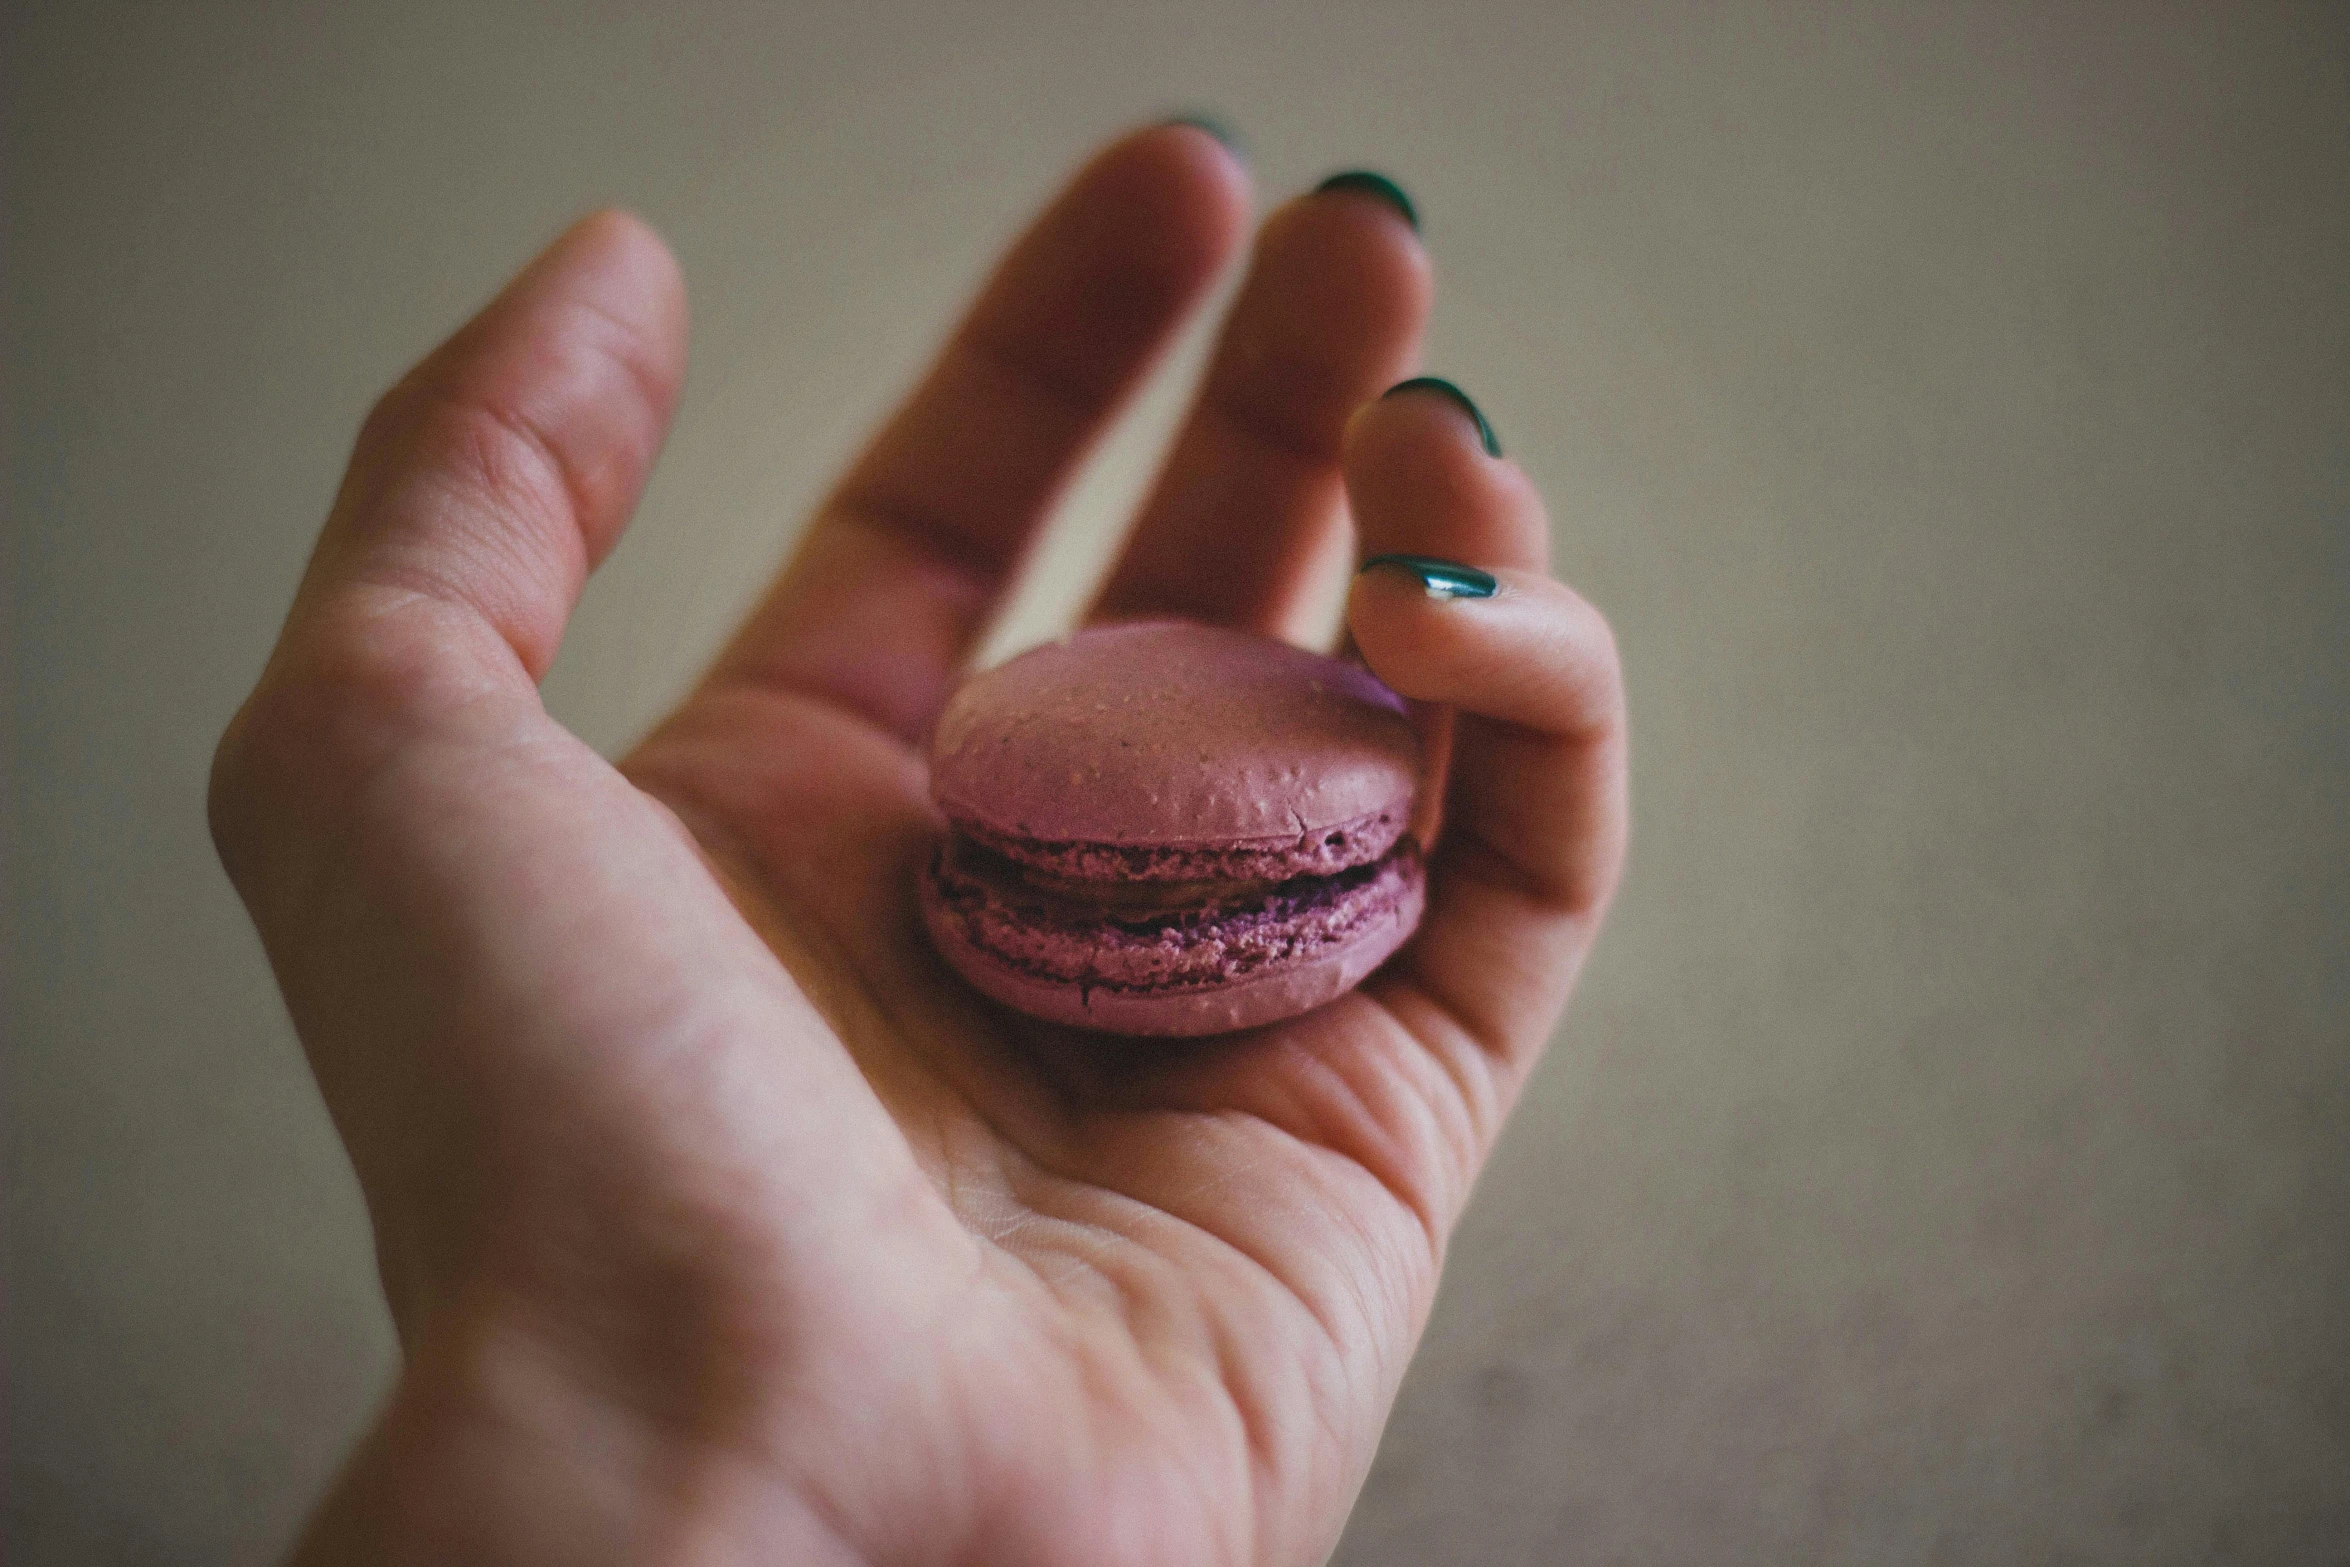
1440	579
1444	388
1374	184
1214	127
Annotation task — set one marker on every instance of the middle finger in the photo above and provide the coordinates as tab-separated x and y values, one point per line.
1329	316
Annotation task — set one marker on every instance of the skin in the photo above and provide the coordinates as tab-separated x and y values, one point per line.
718	1221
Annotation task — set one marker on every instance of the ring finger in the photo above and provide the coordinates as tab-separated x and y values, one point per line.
1331	313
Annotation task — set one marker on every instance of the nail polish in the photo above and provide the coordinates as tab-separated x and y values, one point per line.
1376	185
1439	385
1214	127
1440	579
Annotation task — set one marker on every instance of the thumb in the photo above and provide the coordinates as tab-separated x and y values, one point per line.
518	983
484	487
500	470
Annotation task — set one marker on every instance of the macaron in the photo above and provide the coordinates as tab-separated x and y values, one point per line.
1161	828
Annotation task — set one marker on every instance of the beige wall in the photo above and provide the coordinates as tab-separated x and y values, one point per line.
1945	1160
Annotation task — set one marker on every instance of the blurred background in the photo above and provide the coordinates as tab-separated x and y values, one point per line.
1945	1159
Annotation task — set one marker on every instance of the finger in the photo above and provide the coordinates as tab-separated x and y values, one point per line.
485	934
482	489
884	598
1331	312
1536	803
500	470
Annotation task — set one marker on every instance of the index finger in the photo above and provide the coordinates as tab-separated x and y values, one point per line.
893	583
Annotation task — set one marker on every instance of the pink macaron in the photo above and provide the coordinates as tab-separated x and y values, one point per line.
1170	829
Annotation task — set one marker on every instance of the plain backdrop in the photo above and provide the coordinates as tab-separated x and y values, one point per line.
1945	1159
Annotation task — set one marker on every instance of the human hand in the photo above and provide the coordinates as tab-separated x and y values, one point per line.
717	1219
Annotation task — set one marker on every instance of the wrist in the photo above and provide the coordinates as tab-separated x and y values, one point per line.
494	1448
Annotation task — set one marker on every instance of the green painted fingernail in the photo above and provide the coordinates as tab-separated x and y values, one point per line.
1374	184
1443	388
1214	127
1441	579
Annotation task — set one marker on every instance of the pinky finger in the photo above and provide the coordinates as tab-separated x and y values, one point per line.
1535	813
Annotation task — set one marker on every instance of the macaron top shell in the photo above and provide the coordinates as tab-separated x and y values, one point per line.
1166	732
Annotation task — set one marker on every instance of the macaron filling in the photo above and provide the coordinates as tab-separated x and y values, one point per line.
1077	863
1156	935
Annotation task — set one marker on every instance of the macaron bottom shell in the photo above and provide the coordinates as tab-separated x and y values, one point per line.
1297	955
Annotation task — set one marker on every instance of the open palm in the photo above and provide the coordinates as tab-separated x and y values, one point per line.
720	1222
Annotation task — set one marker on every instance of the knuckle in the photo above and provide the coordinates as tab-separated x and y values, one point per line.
255	795
474	443
374	673
493	450
228	800
346	690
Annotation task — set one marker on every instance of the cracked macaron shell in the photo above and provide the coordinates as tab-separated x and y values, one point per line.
1166	733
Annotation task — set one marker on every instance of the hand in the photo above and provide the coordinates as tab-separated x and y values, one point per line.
718	1221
